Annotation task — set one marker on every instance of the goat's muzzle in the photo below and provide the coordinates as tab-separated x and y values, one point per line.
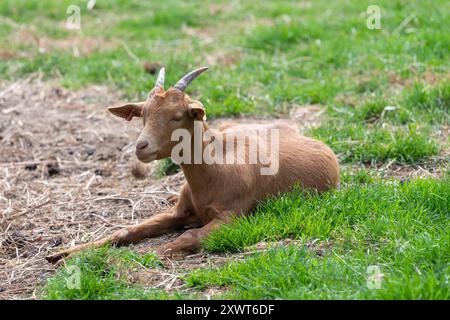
146	151
141	145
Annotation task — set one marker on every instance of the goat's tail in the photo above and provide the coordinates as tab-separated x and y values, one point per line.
139	170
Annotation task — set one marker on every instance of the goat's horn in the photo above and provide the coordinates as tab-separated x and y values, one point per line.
159	83
184	82
160	80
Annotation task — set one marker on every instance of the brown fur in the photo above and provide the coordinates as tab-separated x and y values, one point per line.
214	193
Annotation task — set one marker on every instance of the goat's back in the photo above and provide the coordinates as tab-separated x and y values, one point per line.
304	161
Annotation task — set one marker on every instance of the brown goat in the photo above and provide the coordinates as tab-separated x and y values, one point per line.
213	193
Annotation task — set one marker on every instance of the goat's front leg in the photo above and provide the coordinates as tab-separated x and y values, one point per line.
151	227
191	239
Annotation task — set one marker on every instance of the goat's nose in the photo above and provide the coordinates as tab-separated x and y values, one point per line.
142	145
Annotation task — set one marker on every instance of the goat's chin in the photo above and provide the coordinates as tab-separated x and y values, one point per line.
147	158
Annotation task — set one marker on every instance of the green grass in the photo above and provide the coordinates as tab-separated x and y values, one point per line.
388	129
166	167
382	128
419	103
296	273
401	228
102	275
360	143
433	104
372	210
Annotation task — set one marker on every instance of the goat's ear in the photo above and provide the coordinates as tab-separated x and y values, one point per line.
128	111
196	110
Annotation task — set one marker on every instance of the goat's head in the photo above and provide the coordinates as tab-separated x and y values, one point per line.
163	112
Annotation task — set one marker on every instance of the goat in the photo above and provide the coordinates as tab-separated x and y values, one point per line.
213	193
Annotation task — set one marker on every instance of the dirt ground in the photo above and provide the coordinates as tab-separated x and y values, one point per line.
65	179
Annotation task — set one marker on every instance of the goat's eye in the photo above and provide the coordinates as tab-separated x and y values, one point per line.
176	118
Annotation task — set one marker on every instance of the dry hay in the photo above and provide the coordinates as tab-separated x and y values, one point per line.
64	177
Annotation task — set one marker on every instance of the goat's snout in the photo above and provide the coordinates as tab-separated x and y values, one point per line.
146	150
141	145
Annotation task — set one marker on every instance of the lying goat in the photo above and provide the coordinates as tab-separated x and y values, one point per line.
214	192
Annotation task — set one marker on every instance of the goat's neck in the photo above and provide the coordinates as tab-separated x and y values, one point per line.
198	173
